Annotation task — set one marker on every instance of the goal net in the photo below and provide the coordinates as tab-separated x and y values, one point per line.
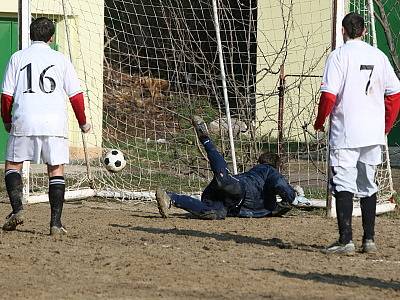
147	66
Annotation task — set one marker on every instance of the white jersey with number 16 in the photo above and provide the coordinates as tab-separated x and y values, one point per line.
39	78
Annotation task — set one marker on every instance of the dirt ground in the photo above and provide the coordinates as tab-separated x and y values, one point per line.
126	251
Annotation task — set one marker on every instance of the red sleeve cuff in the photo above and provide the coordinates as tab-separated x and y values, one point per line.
325	107
78	105
6	107
392	107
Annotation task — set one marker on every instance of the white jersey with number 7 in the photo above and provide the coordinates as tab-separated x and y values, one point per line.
360	76
39	78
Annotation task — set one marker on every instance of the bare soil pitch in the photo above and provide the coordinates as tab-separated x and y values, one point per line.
126	251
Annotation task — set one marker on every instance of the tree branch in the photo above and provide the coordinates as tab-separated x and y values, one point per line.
383	20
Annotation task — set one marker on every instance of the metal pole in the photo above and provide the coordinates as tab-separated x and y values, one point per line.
224	86
281	90
334	22
24	21
372	17
338	15
338	12
88	170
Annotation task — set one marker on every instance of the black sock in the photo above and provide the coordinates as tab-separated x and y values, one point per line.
344	211
368	211
56	199
14	189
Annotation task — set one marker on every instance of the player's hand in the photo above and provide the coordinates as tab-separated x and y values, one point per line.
85	127
7	127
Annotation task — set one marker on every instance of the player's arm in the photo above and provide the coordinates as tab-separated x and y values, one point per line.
78	105
7	98
72	88
326	104
392	107
331	84
392	96
281	186
6	108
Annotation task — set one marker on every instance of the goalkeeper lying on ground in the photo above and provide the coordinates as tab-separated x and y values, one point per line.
250	194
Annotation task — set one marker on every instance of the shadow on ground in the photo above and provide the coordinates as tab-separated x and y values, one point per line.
337	279
240	239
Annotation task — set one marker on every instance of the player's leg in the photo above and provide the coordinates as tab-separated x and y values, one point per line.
55	154
200	209
367	190
214	200
251	213
19	149
217	162
14	188
228	185
56	198
344	212
343	186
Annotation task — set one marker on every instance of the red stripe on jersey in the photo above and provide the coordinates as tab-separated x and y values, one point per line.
325	107
392	107
6	107
78	105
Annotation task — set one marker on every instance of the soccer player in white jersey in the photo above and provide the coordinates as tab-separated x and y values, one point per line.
34	112
361	93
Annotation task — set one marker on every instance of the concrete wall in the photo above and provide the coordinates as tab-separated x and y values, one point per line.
308	37
8	8
85	21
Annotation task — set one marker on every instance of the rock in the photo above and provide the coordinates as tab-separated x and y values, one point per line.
238	126
161	141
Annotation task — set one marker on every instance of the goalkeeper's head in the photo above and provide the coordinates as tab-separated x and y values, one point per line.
269	158
353	26
42	29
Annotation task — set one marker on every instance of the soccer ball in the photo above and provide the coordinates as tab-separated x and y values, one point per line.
114	161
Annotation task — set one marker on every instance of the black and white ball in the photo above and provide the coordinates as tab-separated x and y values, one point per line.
114	161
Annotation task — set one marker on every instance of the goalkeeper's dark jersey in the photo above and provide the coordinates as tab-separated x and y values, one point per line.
261	184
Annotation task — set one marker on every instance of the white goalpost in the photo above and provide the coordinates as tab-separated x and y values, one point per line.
251	69
224	86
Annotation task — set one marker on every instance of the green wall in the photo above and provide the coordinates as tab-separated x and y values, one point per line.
393	7
8	45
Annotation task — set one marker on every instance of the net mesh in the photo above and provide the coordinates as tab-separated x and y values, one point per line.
147	66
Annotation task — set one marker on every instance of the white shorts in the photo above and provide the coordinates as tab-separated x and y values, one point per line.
353	170
371	155
51	150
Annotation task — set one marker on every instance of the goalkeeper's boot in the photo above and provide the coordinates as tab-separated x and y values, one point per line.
281	209
340	248
13	220
200	127
163	202
368	246
58	231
